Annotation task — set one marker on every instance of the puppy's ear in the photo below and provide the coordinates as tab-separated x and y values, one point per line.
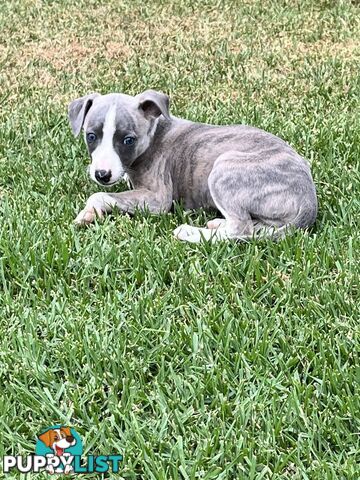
47	438
153	104
78	109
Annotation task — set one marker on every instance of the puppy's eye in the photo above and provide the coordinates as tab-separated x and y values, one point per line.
90	137
129	140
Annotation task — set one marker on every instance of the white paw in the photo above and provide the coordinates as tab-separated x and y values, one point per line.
85	217
97	204
188	233
68	469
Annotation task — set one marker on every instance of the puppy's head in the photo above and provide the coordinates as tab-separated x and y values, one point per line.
58	438
118	129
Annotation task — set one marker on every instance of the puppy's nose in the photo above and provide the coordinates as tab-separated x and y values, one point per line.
103	176
70	438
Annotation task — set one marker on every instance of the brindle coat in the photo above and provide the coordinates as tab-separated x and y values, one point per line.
255	179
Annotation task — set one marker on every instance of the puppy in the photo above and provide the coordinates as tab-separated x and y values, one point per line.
255	180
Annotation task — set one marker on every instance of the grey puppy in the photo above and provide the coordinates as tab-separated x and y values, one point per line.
253	178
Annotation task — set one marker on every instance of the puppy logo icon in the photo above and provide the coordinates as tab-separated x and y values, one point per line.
59	441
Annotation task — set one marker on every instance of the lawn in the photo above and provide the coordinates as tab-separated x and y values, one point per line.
231	361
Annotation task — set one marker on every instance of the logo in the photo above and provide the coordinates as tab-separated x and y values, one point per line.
59	449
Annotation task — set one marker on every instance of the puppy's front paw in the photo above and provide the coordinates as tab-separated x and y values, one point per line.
87	216
68	469
96	207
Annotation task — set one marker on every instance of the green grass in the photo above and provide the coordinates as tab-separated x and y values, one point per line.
225	361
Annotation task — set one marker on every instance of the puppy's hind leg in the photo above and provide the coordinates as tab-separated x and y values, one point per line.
237	223
230	196
256	199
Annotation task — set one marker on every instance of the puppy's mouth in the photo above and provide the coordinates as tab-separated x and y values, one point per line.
59	450
108	184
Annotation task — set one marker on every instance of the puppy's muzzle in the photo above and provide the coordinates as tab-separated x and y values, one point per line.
103	176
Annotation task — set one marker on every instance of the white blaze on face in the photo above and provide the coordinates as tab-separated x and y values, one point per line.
104	156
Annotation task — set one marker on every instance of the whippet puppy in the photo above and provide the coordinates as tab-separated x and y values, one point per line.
254	179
